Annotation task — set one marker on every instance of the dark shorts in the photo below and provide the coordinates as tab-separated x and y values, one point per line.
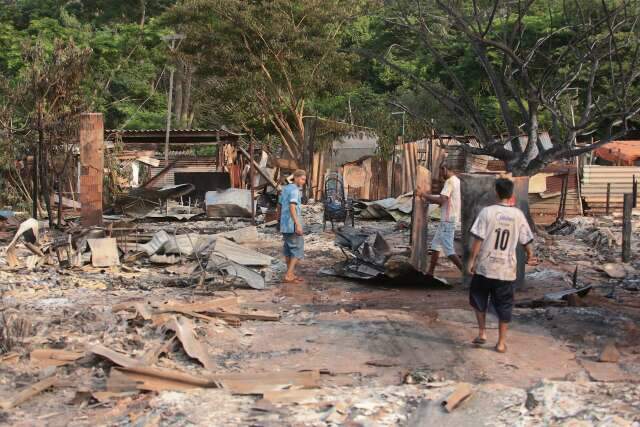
499	291
293	245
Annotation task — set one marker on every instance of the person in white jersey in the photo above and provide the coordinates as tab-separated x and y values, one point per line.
496	234
449	201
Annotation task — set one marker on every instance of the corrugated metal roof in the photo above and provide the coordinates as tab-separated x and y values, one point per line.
595	179
620	152
156	137
143	131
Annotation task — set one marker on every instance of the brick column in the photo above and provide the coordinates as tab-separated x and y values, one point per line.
91	168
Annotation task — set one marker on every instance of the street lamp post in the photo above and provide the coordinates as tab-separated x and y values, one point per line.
171	39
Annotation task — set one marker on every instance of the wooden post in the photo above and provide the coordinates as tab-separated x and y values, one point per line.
635	192
92	168
626	227
608	198
420	221
251	175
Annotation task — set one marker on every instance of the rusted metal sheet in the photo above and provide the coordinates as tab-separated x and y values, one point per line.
154	138
409	164
379	186
91	168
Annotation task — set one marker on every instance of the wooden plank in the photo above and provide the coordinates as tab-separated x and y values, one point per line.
29	392
254	315
420	221
461	392
258	168
156	379
260	383
117	358
626	228
45	357
218	304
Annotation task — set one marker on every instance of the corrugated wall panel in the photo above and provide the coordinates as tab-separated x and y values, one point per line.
594	185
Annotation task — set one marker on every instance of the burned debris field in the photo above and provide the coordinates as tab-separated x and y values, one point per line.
319	213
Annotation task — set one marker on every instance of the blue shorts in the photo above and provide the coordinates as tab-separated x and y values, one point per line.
443	239
293	245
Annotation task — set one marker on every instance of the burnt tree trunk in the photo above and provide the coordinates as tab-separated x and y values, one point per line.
46	187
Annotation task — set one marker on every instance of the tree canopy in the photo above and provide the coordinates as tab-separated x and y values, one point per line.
499	70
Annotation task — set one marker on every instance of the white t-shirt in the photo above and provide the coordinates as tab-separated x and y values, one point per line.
500	228
450	211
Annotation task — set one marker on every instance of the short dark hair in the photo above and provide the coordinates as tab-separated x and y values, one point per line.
504	188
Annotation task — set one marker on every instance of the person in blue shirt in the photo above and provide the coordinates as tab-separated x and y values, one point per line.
291	225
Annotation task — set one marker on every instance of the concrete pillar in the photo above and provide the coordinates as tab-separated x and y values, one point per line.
478	191
91	168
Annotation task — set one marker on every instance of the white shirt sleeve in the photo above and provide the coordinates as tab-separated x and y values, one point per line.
447	189
525	235
480	225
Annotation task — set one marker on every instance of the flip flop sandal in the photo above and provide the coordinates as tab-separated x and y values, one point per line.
479	341
504	350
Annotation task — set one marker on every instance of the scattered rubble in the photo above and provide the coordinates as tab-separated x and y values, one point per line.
145	321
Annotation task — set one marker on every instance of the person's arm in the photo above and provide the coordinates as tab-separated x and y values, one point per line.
478	234
439	199
443	197
526	239
531	256
475	250
294	215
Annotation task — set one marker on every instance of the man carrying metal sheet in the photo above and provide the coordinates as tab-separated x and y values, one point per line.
449	201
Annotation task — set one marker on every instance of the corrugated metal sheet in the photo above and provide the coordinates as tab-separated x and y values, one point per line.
195	164
349	149
544	210
594	184
554	183
625	153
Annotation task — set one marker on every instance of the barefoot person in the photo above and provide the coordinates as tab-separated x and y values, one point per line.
291	224
496	234
449	201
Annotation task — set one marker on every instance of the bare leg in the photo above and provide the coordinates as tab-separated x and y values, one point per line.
434	261
502	337
291	269
481	318
454	259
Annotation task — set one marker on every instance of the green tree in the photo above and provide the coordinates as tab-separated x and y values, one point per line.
506	69
261	63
